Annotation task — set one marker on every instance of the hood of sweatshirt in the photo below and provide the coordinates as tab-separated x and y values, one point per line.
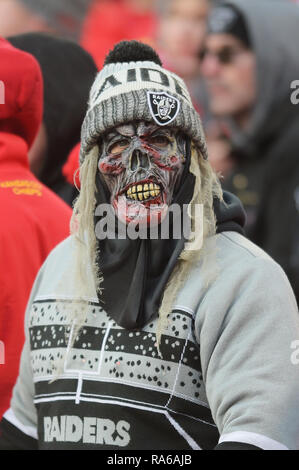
21	93
230	214
273	30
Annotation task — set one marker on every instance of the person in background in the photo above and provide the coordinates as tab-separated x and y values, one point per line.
180	37
60	17
110	21
33	220
249	65
70	170
68	73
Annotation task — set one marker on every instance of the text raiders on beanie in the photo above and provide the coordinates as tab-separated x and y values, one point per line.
133	86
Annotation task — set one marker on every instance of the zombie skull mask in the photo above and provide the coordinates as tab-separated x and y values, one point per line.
142	164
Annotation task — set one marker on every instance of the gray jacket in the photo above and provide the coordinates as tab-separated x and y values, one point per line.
229	369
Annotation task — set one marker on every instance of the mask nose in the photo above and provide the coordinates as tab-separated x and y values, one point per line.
139	160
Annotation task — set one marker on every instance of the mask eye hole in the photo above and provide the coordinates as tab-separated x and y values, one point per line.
160	141
119	146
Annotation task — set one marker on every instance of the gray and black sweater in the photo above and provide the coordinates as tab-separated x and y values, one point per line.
225	377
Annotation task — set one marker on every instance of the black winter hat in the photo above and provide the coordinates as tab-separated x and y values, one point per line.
228	20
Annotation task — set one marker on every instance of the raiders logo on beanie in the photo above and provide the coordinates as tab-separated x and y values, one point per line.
133	86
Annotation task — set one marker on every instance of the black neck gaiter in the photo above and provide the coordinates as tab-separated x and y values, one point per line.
136	272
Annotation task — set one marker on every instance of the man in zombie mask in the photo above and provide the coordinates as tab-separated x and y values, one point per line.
179	342
142	164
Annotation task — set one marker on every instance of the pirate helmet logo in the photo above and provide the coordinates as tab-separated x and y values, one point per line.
163	107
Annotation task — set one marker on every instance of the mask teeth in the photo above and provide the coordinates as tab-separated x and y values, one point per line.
141	192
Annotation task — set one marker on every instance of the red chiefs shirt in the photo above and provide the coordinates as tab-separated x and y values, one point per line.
33	220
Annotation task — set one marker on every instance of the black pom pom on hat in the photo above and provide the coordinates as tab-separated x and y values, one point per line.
132	51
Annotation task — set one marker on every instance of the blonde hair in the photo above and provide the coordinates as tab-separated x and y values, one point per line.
207	186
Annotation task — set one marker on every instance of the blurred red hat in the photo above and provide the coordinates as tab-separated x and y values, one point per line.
21	100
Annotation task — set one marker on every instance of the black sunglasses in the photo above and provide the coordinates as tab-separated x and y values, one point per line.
225	56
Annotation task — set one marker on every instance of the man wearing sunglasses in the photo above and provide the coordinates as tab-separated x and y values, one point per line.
249	62
228	64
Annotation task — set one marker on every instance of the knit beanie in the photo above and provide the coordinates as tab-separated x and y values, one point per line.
64	16
228	20
133	86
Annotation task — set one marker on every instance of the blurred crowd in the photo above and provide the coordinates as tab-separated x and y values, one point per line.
239	59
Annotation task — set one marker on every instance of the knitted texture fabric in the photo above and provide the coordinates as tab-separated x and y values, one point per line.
141	90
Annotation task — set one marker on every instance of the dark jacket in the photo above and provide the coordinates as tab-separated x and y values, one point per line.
266	173
68	73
